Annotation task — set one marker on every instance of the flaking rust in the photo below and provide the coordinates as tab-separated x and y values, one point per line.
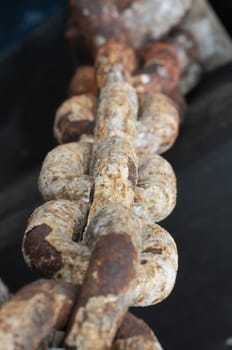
105	185
100	248
115	173
36	310
160	71
114	235
152	20
106	291
112	227
98	227
110	63
51	243
117	111
53	247
75	118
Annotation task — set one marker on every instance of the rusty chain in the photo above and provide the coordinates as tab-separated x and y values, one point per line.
105	187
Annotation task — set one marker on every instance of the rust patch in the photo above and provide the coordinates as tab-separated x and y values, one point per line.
43	257
83	81
159	50
167	52
133	327
132	176
153	250
143	262
111	267
72	130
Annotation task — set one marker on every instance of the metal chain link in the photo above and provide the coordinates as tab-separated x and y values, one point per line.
105	187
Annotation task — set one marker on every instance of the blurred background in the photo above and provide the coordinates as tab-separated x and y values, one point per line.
35	69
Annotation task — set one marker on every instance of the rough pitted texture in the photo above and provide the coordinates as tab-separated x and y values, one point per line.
91	327
158	249
96	242
159	50
109	282
106	290
111	63
64	174
151	19
30	316
160	72
50	243
134	334
158	267
75	117
107	216
83	81
158	125
115	173
117	111
155	194
97	21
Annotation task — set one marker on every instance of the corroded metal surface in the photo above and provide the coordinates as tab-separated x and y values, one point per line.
101	233
75	117
98	230
30	316
213	42
151	19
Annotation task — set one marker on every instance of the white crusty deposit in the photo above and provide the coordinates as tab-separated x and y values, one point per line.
64	174
152	18
155	193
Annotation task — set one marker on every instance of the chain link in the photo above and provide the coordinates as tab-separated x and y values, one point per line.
105	187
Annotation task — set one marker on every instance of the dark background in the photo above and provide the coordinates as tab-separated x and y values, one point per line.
35	68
